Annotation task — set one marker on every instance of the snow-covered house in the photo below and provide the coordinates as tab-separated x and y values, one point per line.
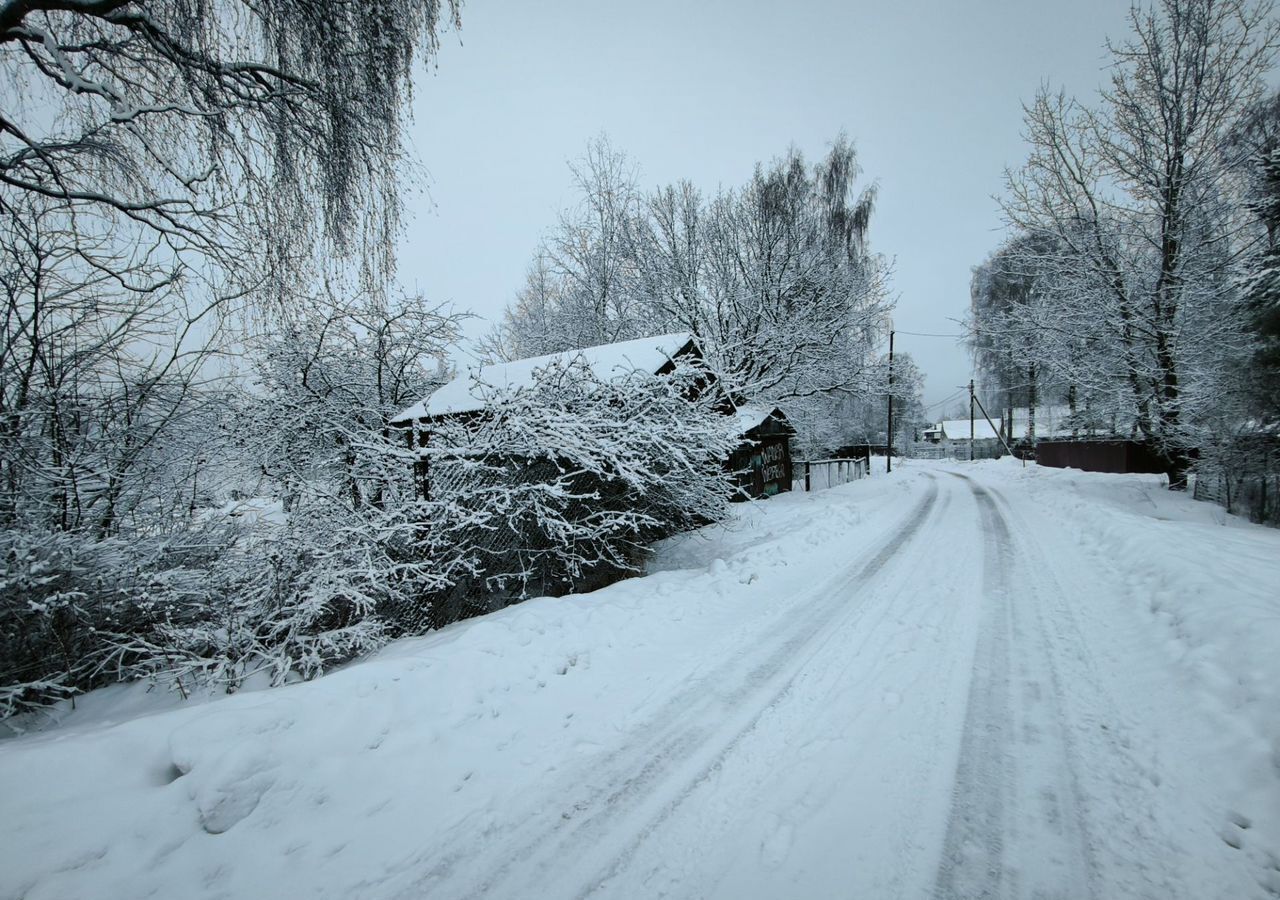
950	437
470	391
763	461
586	465
958	429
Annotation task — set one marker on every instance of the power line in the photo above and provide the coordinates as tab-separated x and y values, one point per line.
947	399
932	334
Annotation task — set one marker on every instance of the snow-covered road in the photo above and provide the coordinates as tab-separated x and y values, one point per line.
957	681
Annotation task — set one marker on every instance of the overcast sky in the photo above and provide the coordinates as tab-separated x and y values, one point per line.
930	93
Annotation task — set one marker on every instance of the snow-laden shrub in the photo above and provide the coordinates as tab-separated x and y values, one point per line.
78	612
214	606
568	478
557	486
328	585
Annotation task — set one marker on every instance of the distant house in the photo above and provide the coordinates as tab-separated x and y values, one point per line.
763	461
951	438
958	429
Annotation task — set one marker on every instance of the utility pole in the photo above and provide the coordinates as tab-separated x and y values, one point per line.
1032	399
888	450
970	420
997	431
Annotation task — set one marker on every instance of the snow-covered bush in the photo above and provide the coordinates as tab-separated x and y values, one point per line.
77	612
565	480
556	486
203	599
328	585
212	606
357	558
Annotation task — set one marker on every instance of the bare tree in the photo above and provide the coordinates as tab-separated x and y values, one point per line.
328	381
1135	192
591	248
671	257
1256	143
1023	353
538	322
101	358
775	279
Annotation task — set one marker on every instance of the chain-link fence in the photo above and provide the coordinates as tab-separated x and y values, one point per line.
514	554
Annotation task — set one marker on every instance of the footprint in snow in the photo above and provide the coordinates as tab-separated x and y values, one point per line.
1232	833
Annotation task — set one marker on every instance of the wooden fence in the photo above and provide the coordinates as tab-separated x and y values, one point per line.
820	474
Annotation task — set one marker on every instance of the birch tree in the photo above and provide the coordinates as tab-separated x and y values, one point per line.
794	297
221	134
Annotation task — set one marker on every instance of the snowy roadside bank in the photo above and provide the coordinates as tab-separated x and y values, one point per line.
320	788
1206	586
1209	579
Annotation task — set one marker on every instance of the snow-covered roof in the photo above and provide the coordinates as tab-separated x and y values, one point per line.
958	429
468	392
749	416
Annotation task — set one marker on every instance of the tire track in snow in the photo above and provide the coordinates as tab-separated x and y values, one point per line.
828	673
1143	794
1120	820
1017	826
801	667
536	844
1074	869
973	864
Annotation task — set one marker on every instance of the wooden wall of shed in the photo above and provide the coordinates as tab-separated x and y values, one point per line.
763	466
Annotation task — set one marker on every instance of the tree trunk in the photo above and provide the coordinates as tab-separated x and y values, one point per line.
1177	465
1071	402
1032	399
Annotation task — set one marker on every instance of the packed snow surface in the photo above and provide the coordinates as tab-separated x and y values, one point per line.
958	680
471	390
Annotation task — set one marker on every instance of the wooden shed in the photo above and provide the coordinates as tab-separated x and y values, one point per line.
1100	455
763	462
470	390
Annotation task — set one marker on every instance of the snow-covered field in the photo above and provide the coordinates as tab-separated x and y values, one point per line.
958	680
